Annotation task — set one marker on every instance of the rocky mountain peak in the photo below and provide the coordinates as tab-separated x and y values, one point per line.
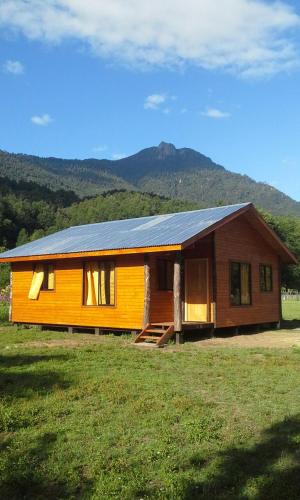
166	149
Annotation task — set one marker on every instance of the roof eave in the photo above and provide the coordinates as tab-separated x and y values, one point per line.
96	253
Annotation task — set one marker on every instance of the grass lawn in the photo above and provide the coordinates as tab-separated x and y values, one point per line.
108	420
291	309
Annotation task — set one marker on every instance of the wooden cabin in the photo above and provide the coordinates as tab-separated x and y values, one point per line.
211	268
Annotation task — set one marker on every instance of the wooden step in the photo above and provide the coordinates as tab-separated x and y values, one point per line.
161	335
152	337
155	330
162	324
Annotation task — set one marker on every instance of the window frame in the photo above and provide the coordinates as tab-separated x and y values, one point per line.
47	264
263	267
113	262
240	263
165	261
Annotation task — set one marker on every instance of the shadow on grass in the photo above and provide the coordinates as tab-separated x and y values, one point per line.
290	324
28	359
269	470
29	476
24	383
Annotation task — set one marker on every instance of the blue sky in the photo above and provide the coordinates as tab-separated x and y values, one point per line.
90	79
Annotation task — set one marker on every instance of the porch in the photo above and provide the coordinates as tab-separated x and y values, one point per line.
178	295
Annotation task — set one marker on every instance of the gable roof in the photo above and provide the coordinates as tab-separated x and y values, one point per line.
157	231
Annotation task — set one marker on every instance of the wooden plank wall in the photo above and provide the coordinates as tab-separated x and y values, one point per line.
238	241
162	305
161	308
203	249
64	305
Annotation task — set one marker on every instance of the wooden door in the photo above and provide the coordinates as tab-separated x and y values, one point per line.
196	290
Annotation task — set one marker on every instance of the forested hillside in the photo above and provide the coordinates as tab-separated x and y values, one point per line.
175	173
86	178
26	207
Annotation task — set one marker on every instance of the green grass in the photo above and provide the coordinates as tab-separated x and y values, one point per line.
109	420
291	309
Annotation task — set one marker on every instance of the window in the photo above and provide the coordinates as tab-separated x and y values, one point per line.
99	283
265	278
42	279
165	273
240	284
48	281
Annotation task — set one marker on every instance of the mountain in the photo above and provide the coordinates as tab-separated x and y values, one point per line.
165	170
161	160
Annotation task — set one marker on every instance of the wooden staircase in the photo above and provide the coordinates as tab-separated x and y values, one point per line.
156	333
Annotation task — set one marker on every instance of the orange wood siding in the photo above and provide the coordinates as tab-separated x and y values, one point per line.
63	306
238	241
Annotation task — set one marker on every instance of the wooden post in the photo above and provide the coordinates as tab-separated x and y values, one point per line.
147	290
10	295
179	338
70	329
177	294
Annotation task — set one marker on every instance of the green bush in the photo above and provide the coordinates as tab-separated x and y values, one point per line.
4	312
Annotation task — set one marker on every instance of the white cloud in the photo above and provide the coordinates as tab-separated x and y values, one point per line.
158	102
14	67
215	113
118	156
153	101
42	120
248	37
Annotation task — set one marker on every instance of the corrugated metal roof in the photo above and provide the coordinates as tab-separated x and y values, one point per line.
156	230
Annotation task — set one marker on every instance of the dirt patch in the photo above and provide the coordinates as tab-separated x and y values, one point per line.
67	343
271	339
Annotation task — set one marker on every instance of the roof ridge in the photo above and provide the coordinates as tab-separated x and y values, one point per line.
163	215
178	228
